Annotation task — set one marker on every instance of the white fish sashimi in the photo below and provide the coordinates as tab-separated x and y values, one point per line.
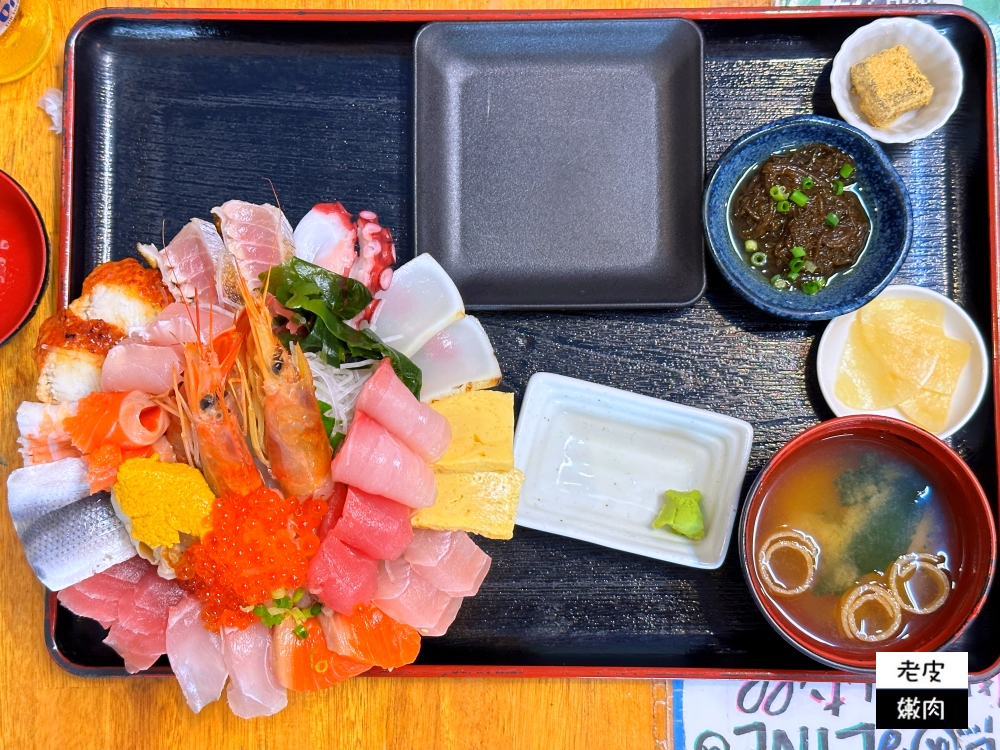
73	543
132	366
326	236
178	323
460	358
196	654
257	236
34	491
421	301
253	687
188	262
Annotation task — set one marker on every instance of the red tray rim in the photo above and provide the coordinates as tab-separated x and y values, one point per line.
694	14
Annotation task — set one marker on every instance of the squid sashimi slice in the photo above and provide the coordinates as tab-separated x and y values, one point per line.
124	419
385	399
373	460
421	301
409	598
369	635
179	323
375	525
97	597
308	664
34	491
326	237
188	262
43	437
131	366
256	236
140	634
460	358
448	560
253	689
73	543
195	654
340	576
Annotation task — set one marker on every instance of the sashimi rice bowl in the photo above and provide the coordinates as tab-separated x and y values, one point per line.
250	451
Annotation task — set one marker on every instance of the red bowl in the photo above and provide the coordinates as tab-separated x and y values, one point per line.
976	537
24	257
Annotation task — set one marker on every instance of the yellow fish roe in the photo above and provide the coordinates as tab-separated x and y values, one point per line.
163	500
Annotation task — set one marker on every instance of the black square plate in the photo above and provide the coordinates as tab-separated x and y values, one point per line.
559	163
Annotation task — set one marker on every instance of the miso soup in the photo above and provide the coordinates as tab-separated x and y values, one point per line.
856	545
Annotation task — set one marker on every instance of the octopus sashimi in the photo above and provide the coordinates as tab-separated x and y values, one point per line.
457	359
196	654
256	236
385	399
326	236
408	598
376	462
132	366
376	254
253	689
188	262
369	635
43	437
340	576
448	560
97	597
375	525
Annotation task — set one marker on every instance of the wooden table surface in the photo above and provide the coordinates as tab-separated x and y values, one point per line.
41	706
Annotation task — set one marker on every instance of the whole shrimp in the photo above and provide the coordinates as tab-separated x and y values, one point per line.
297	445
225	459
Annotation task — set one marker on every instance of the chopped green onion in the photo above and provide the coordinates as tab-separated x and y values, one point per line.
750	246
838	188
799	198
832	219
260	610
283	603
796	265
299	593
807	183
298	615
810	266
316	609
301	632
778	193
278	593
798	252
779	283
783	207
793	275
758	258
810	287
846	171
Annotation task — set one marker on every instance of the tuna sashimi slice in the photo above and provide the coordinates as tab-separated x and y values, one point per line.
341	577
371	636
406	597
448	560
139	635
373	460
195	654
385	399
326	236
375	525
97	597
133	366
253	687
105	611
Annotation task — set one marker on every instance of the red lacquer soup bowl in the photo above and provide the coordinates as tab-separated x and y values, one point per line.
852	491
24	254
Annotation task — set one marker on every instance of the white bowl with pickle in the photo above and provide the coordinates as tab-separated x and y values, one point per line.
896	79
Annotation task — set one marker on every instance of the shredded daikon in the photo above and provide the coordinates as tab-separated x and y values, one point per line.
339	387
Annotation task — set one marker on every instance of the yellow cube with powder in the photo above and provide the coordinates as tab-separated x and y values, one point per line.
889	84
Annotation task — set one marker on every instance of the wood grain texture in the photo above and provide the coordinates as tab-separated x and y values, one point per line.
42	706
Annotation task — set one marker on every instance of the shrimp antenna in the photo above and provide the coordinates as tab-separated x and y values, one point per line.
275	193
163	233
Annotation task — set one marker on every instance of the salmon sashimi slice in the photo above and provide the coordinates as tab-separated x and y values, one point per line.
375	525
372	460
385	399
256	236
307	664
188	262
196	654
124	419
43	437
369	635
448	560
340	576
253	689
406	597
326	237
97	597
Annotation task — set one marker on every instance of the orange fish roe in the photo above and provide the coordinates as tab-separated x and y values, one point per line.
259	543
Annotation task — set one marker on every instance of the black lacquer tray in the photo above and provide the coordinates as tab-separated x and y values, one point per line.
172	113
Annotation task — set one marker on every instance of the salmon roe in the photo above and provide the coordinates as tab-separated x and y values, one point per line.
258	543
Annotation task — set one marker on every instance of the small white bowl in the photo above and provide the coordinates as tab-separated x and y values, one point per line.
957	324
597	461
932	53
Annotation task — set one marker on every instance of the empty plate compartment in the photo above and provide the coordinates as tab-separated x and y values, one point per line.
559	163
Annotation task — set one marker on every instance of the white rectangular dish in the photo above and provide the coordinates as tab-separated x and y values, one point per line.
597	461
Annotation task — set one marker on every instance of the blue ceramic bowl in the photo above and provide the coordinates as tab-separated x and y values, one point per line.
882	190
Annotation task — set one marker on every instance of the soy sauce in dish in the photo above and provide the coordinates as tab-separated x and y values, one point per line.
799	218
